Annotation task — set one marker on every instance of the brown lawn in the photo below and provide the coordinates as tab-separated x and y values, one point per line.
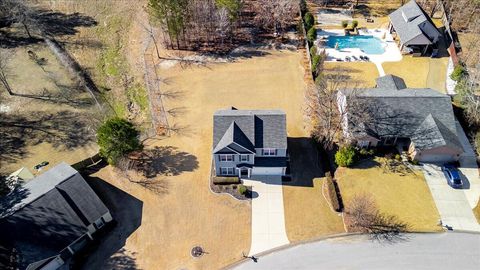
357	74
420	72
405	195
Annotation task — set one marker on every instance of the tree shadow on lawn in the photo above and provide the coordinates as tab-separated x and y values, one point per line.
51	23
127	212
164	160
64	129
305	164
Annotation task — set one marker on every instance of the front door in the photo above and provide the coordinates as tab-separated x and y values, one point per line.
244	172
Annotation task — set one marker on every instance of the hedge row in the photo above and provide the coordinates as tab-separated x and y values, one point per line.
333	193
226	180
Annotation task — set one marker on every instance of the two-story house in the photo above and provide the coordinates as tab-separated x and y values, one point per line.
249	142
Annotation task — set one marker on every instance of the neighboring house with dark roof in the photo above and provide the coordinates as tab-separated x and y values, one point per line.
414	28
249	142
421	121
47	220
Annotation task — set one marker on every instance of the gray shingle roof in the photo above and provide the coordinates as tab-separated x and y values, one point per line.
407	20
423	115
262	128
390	82
48	213
233	138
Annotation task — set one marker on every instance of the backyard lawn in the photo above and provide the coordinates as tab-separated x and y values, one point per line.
357	74
420	72
405	195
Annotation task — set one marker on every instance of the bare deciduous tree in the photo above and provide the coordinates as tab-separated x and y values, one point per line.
276	15
469	93
363	215
324	110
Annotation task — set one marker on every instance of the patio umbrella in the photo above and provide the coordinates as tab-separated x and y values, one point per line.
336	46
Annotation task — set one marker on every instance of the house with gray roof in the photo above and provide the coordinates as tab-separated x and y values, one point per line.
249	142
418	121
48	220
414	28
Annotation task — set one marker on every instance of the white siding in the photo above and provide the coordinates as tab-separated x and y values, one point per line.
268	171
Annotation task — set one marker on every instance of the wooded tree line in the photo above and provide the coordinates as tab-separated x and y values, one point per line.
216	24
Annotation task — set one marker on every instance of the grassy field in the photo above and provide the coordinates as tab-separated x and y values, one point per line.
420	72
49	118
405	195
358	74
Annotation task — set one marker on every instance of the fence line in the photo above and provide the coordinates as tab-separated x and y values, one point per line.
152	82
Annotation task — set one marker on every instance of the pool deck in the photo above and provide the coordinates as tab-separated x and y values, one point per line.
391	54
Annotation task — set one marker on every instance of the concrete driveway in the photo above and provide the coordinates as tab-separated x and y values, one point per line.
452	204
268	219
455	205
416	251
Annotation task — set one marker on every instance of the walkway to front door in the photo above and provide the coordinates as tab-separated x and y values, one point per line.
268	220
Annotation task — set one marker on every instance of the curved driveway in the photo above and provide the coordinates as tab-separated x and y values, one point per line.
417	251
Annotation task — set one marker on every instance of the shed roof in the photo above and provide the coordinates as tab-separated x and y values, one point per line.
407	20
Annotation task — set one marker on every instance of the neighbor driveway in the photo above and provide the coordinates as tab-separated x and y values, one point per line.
455	205
452	204
268	219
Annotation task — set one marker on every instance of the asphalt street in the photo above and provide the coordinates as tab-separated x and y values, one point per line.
451	250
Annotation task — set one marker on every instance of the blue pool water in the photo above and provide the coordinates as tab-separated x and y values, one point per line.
368	44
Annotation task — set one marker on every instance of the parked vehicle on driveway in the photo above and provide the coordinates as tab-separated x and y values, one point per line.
453	176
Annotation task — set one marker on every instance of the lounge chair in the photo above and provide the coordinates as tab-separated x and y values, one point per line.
348	59
355	58
366	58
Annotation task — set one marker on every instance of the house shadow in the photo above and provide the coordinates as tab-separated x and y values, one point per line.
108	251
305	162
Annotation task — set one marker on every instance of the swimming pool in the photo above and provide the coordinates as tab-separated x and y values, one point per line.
368	44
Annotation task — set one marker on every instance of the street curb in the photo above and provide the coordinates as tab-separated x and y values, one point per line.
323	238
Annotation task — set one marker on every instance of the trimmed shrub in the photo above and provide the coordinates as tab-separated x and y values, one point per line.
315	60
344	24
242	189
313	51
345	157
309	20
219	180
458	73
312	34
332	193
354	24
116	138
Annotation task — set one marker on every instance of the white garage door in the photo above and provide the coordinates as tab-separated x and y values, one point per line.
267	171
436	158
